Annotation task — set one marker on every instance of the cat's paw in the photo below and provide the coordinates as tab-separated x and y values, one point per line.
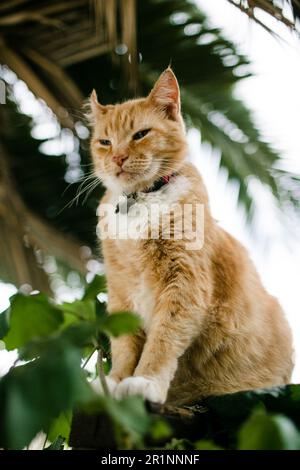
111	385
147	388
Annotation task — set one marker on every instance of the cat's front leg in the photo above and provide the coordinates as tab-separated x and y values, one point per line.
176	321
125	351
166	342
171	334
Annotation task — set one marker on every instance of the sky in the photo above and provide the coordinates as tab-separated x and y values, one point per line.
273	96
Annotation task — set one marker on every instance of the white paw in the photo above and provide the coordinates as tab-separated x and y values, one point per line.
147	388
111	385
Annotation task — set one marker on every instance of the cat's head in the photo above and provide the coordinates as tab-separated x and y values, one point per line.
136	142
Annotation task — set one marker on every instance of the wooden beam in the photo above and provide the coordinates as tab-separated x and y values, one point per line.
67	86
87	42
18	262
8	5
52	8
84	55
49	9
49	240
110	10
28	16
23	70
23	233
128	24
52	40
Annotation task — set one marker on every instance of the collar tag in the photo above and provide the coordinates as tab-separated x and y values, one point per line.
126	201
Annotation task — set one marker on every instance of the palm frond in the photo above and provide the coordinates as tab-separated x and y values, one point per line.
207	65
272	8
208	97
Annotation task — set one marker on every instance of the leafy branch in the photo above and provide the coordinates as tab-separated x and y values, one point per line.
55	343
48	388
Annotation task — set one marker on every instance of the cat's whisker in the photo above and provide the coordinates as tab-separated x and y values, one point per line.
82	179
86	164
80	189
95	181
90	190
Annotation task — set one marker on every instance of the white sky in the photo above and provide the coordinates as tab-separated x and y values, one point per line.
273	95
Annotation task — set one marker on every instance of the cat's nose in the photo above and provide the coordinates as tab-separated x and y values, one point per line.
120	159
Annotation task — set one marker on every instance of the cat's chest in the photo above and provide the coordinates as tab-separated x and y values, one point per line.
123	218
125	232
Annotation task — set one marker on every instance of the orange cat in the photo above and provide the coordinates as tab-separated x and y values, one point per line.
209	326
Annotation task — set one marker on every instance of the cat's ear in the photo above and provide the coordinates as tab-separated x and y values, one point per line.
166	95
93	109
95	106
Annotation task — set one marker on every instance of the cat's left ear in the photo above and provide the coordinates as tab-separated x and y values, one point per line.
166	95
95	106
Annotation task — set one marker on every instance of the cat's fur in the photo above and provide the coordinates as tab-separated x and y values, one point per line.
209	326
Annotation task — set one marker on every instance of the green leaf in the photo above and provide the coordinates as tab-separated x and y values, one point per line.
268	432
106	367
121	323
33	394
233	409
4	323
60	427
97	286
179	444
30	317
79	335
206	445
101	309
295	394
79	310
57	444
129	413
160	429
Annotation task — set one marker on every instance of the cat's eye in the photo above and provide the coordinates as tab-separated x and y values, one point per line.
140	134
105	142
